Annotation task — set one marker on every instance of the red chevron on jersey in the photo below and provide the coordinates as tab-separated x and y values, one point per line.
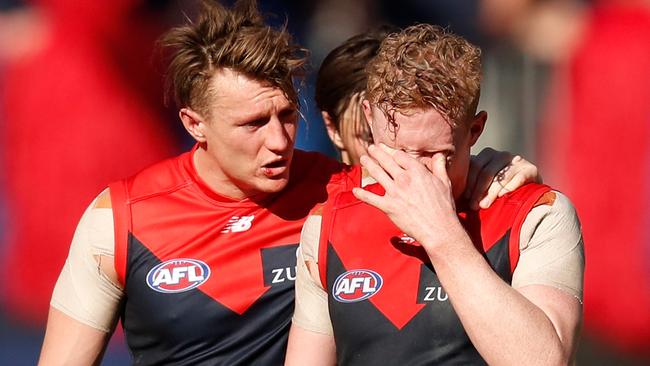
376	244
235	258
207	275
381	259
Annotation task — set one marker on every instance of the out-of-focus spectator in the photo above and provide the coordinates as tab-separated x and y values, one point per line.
597	139
594	144
81	107
22	31
545	30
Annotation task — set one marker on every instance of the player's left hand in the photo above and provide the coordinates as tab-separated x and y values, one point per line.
418	198
494	173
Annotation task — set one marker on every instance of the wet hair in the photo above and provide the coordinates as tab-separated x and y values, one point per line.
426	66
236	38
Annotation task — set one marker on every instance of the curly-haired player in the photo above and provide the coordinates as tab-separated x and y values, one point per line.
340	89
419	279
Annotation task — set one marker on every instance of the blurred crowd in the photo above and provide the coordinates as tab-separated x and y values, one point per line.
567	84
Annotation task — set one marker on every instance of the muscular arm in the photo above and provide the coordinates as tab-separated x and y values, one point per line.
535	324
310	340
310	348
86	298
70	342
531	325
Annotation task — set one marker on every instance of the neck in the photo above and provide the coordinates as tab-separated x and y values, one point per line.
216	180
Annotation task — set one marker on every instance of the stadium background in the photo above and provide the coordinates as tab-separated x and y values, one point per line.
567	84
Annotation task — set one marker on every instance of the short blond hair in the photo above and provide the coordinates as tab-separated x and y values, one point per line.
426	66
237	38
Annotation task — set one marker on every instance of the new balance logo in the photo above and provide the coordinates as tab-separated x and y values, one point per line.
237	224
405	239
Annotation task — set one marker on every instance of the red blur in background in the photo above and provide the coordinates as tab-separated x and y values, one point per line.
597	139
83	110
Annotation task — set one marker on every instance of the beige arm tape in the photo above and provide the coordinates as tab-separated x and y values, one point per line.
83	291
551	248
311	312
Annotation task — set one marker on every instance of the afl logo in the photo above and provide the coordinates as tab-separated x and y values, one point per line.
178	275
356	285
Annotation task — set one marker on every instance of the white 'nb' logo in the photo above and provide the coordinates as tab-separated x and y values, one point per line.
237	224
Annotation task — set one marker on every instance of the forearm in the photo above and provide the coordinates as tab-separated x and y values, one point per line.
504	326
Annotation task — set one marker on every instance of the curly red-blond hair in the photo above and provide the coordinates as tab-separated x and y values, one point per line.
426	66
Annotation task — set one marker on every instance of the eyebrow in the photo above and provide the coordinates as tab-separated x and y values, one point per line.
449	149
247	118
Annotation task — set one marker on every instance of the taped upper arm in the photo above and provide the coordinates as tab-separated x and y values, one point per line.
87	289
106	256
550	270
311	309
551	247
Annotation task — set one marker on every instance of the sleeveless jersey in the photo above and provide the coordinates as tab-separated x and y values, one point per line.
386	303
207	280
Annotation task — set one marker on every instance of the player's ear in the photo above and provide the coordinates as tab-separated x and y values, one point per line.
367	112
332	131
477	126
194	123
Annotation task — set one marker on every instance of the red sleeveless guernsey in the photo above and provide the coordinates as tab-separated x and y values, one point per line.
210	281
386	303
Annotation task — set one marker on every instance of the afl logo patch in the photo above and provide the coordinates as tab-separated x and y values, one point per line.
178	275
356	285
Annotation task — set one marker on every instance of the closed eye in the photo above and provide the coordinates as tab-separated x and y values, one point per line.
449	154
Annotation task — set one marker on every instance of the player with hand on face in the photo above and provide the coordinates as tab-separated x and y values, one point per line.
420	278
340	89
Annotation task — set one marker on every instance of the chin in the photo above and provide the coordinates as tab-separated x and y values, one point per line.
274	185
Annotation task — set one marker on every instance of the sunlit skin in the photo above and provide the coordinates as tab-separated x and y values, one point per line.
419	199
423	133
246	137
352	136
422	162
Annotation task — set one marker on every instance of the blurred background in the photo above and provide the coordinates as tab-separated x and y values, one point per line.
566	84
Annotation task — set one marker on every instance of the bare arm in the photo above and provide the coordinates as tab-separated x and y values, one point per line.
310	348
70	342
86	298
534	325
311	341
